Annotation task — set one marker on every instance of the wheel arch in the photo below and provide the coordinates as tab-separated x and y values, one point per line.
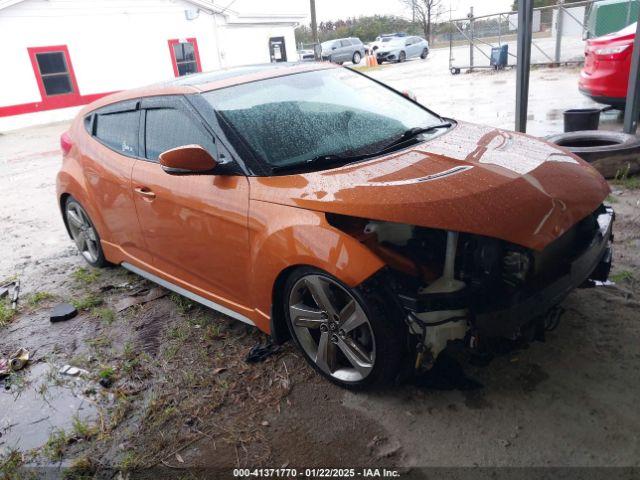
297	238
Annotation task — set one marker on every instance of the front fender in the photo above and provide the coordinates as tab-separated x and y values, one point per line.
283	236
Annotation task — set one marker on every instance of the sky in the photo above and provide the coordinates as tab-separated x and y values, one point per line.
335	9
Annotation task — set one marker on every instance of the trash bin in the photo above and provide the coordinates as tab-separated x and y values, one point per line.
577	119
499	56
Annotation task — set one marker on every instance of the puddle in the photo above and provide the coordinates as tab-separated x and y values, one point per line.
39	402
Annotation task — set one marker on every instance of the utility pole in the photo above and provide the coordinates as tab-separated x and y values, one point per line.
314	30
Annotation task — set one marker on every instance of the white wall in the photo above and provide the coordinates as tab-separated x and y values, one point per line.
249	44
118	44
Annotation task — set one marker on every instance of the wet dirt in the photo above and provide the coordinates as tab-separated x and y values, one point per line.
182	395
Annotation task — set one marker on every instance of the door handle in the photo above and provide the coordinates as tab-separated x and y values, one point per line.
145	192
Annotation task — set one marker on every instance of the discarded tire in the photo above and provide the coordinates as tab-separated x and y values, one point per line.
611	153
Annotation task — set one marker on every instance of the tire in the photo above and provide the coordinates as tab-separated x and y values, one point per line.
424	54
380	336
402	57
84	233
356	58
611	153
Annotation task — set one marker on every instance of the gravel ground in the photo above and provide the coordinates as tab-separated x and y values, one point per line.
570	401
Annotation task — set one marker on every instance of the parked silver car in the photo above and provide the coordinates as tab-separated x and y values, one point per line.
343	50
402	48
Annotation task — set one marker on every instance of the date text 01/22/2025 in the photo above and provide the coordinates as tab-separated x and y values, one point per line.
316	473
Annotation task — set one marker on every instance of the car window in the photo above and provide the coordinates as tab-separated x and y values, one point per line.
355	41
167	128
296	118
345	43
118	131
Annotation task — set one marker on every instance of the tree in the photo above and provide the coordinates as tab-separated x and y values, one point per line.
426	12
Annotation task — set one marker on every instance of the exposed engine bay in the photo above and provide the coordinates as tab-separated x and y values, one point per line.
459	286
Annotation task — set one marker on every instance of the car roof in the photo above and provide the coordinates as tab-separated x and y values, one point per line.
213	80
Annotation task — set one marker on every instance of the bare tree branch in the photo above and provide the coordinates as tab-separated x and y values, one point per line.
425	12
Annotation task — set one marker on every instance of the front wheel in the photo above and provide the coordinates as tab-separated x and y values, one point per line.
402	57
84	233
424	54
349	336
356	58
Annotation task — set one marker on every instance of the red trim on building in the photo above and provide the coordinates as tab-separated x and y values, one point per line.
196	52
11	110
51	102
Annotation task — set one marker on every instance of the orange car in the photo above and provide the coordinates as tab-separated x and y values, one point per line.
321	205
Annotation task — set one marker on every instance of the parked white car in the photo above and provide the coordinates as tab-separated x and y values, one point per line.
399	49
383	39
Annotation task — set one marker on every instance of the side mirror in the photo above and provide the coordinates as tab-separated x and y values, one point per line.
187	159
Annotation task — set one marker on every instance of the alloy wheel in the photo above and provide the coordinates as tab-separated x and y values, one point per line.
82	232
332	328
356	57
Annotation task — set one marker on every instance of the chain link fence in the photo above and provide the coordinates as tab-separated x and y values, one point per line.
559	32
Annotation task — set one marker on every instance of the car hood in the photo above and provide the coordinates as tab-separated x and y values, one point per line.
471	179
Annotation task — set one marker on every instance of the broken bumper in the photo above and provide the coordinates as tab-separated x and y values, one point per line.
593	263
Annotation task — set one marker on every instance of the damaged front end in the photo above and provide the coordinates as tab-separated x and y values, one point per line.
460	286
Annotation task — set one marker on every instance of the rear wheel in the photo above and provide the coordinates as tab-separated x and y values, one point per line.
356	58
84	233
347	335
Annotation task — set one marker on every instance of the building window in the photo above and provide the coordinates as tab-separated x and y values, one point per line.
53	71
185	56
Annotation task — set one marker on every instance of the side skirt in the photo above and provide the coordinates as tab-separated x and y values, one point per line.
186	293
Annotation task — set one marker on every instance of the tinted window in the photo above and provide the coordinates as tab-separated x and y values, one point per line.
54	73
168	128
118	131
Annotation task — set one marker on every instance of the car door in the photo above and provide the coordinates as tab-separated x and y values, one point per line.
195	226
410	47
345	50
108	163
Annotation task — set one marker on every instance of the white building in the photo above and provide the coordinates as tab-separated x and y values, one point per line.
61	54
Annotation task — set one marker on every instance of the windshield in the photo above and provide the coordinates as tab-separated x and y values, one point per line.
296	118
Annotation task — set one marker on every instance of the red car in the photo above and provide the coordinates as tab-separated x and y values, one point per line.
607	61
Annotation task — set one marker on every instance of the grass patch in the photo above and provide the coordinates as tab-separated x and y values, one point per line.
37	298
6	312
108	373
183	304
10	462
87	302
105	314
82	430
611	199
623	276
622	179
54	448
86	275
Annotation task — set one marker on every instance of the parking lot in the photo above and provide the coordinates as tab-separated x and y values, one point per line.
570	401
